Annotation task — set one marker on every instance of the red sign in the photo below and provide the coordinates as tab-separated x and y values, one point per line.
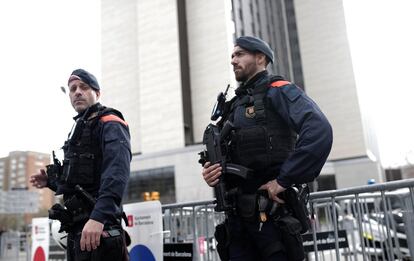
39	255
130	221
201	246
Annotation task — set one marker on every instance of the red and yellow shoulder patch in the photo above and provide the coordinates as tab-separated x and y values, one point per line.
278	84
112	117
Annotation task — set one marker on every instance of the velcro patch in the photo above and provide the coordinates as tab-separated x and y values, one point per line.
112	117
279	83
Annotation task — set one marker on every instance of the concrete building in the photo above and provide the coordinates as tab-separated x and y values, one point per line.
3	171
163	63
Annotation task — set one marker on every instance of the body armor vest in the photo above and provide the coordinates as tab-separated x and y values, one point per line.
82	151
264	146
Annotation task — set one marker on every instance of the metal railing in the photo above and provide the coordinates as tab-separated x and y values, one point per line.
377	221
193	222
373	222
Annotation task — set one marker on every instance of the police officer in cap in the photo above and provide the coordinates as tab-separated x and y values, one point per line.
281	135
96	163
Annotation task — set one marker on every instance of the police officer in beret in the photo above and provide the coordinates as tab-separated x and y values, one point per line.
281	135
96	163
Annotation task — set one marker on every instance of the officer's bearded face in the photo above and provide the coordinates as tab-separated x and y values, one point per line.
82	95
244	64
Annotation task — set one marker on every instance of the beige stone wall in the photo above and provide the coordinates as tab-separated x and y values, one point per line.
328	73
141	70
160	100
120	67
210	45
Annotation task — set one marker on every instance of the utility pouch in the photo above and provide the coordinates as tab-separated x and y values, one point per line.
111	248
222	238
114	243
290	229
251	147
81	171
246	206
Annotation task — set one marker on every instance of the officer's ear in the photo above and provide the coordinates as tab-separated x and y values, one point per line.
98	94
261	59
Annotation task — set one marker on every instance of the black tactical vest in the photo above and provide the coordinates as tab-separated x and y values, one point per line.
266	145
82	151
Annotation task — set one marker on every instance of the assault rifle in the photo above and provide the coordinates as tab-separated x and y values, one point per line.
54	170
216	142
75	209
87	198
215	152
219	106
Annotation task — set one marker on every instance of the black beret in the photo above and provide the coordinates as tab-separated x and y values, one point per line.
85	77
254	44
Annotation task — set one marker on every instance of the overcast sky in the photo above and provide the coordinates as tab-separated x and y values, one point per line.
42	41
382	50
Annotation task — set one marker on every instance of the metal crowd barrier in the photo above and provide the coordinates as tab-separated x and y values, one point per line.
193	223
13	246
373	222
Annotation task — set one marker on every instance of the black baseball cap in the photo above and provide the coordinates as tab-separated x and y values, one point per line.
85	77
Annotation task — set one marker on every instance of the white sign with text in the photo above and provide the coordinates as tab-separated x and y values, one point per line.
145	229
40	239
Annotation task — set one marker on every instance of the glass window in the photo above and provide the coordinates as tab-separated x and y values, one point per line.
39	163
326	182
161	180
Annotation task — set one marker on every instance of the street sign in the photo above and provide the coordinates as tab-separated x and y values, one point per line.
325	240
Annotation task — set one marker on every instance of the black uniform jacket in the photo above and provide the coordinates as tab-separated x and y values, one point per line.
302	115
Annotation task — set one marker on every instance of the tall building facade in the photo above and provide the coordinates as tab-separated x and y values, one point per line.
330	81
15	172
3	172
274	22
164	62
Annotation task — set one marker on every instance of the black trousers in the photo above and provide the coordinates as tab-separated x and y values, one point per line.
247	243
110	249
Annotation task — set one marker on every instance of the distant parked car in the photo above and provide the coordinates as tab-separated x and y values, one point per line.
384	232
